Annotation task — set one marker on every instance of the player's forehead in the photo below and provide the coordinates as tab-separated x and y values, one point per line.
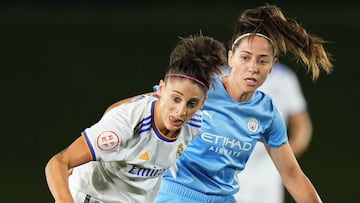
255	43
185	87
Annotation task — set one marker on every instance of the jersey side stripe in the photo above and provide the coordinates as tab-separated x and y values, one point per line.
194	124
198	115
89	146
143	125
143	122
195	121
145	130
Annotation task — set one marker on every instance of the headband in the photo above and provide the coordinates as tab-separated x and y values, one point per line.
188	77
248	34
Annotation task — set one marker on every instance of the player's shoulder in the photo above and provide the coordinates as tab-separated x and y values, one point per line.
135	104
195	123
141	99
144	98
193	126
263	99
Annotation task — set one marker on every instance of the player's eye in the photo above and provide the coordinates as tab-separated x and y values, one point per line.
193	104
176	99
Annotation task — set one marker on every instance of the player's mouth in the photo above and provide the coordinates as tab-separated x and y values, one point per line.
251	81
175	121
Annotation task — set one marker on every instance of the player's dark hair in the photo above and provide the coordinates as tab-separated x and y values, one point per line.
286	34
199	57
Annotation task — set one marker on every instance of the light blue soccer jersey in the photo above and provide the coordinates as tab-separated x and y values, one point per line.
229	133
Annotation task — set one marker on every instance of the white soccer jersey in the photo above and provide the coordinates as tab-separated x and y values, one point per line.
130	154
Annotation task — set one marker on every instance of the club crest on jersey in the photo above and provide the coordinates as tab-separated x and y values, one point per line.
253	125
179	151
107	141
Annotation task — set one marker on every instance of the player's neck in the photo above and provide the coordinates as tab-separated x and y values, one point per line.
168	133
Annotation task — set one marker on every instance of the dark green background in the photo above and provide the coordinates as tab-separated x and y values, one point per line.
64	63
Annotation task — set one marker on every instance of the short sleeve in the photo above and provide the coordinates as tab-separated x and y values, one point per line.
277	132
105	138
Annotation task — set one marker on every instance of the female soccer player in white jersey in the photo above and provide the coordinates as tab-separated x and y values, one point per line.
123	157
237	115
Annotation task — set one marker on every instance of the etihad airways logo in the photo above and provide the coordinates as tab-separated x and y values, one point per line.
226	145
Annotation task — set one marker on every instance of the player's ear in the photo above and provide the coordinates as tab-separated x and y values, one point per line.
230	58
161	87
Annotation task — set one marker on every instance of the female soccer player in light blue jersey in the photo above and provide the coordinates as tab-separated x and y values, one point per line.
237	115
122	157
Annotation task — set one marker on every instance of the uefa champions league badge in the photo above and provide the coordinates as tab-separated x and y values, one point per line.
107	141
253	125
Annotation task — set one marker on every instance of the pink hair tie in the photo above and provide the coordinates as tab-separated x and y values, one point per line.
189	77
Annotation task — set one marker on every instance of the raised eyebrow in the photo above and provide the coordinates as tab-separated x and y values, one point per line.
195	99
265	55
250	53
178	92
191	99
244	51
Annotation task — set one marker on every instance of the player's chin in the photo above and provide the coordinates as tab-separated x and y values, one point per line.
175	126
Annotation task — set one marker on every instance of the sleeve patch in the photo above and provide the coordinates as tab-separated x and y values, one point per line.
107	141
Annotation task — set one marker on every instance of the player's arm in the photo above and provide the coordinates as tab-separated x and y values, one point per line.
300	132
295	181
57	168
